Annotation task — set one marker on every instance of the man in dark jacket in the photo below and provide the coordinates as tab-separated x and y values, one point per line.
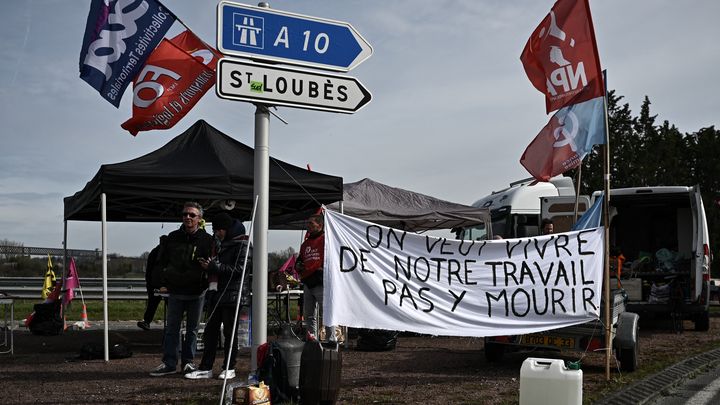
186	281
151	276
227	267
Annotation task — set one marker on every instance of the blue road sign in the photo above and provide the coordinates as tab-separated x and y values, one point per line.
280	36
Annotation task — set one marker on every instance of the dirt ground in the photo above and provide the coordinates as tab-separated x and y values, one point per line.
429	370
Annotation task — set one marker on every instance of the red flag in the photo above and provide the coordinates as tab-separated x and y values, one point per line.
170	85
566	139
190	43
560	57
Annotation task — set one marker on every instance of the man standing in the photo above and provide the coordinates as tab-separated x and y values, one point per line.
227	268
151	277
309	266
186	281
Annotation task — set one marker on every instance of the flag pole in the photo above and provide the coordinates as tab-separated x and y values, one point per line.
577	193
606	226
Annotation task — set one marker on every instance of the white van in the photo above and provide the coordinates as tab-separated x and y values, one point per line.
515	210
663	235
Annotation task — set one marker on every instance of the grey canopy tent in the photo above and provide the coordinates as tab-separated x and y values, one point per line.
401	209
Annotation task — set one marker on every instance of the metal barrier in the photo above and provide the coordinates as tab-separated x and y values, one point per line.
118	288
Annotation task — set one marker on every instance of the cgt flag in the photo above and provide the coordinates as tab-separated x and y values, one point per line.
560	57
566	139
119	37
177	74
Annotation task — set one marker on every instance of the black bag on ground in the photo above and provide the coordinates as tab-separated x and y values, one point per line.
47	319
371	340
273	371
94	351
320	369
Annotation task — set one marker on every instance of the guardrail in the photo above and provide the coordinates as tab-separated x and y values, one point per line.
118	288
41	251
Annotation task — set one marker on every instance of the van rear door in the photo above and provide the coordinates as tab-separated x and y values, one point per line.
701	242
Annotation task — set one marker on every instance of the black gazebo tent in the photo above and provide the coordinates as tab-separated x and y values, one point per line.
201	164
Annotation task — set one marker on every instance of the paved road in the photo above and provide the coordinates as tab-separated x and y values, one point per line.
701	390
673	379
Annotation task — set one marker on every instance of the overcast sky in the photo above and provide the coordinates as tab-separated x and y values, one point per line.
452	109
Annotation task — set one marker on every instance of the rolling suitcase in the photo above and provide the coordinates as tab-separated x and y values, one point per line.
320	368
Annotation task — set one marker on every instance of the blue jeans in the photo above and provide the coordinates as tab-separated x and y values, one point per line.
177	306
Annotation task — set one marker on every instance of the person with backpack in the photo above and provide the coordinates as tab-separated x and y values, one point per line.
153	300
179	261
227	269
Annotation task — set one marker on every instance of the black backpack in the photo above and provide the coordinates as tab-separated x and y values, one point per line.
273	371
47	319
370	340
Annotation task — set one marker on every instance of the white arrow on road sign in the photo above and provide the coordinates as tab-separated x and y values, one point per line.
293	87
280	36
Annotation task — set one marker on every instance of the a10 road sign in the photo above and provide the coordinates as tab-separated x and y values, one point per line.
280	36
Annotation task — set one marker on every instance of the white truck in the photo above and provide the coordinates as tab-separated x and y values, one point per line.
515	210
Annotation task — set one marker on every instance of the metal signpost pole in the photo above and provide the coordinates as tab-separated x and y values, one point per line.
260	231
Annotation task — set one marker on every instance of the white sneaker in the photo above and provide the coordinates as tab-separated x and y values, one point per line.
199	374
230	374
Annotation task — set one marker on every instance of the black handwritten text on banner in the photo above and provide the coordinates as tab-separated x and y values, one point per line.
383	278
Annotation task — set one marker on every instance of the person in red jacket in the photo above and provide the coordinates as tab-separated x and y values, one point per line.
309	266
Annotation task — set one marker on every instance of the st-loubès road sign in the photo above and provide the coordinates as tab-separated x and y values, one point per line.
255	82
280	36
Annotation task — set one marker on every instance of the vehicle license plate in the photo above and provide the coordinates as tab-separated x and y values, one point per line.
545	340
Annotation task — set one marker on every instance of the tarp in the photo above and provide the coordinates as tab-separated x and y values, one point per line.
402	209
201	164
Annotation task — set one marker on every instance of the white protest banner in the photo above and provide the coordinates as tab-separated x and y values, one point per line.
383	278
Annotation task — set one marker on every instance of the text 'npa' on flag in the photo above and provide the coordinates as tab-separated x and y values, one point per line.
177	74
560	57
119	37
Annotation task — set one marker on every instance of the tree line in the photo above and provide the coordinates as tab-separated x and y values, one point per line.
646	153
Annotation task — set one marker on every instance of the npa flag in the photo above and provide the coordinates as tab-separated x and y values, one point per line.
560	57
119	37
176	76
71	282
566	139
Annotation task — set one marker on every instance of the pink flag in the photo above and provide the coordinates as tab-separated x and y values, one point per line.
71	281
560	57
288	266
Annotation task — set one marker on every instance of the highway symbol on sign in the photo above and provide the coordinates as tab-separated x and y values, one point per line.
280	36
289	86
